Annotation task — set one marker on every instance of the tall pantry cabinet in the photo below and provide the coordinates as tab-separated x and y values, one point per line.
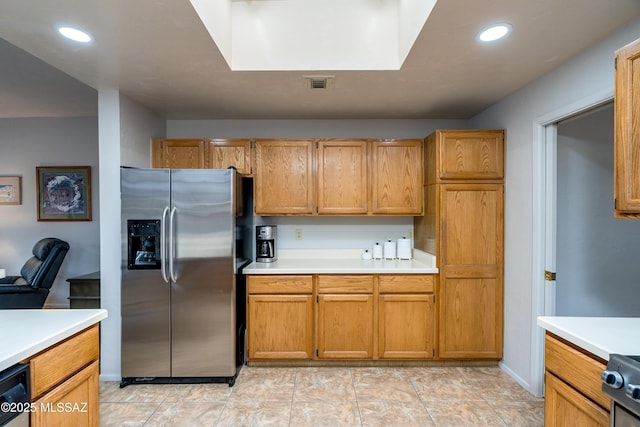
464	225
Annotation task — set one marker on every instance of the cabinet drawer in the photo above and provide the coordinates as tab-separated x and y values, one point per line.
410	283
280	284
576	368
56	364
345	284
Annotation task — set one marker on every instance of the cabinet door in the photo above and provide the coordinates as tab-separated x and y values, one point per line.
224	153
627	131
283	177
470	154
565	406
75	402
396	171
342	177
471	270
280	326
179	153
345	326
406	329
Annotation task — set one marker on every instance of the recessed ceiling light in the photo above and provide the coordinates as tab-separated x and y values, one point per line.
75	34
494	32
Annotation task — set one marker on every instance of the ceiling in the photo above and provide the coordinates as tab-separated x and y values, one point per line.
158	53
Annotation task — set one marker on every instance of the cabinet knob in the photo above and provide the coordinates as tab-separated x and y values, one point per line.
612	378
633	392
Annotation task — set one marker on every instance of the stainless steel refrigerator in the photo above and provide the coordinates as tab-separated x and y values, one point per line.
182	295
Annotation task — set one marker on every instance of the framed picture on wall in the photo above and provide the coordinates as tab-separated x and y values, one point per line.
64	193
10	191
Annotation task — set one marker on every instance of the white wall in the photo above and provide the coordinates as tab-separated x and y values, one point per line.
25	144
596	258
126	129
589	73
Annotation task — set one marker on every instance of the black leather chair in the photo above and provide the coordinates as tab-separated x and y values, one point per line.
30	289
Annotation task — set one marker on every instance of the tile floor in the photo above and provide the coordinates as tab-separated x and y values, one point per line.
330	396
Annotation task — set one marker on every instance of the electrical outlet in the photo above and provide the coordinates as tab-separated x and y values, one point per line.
410	234
298	234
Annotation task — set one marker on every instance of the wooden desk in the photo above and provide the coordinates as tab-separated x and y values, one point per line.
84	291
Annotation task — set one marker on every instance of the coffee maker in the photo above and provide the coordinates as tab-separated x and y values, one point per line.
266	243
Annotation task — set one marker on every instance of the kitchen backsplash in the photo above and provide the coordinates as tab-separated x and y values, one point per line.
337	232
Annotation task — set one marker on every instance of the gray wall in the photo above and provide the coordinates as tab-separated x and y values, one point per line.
596	254
25	144
586	75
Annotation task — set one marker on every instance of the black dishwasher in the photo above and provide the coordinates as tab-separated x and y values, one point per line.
15	395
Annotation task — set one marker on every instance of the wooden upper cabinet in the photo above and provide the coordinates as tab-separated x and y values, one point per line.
224	153
627	131
179	153
283	177
396	171
464	154
342	177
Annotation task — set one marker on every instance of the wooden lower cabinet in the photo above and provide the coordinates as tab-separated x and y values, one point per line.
65	382
346	317
75	402
573	394
279	317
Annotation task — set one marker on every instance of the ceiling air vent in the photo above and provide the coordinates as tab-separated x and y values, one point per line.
319	82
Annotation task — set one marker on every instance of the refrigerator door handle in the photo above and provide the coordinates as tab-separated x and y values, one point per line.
163	244
171	243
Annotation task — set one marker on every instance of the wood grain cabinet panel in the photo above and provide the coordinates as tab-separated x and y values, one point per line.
342	177
406	326
226	153
345	326
396	170
283	177
469	154
471	270
627	131
179	153
565	406
280	326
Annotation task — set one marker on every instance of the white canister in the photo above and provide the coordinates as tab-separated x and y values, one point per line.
389	250
377	251
404	248
366	255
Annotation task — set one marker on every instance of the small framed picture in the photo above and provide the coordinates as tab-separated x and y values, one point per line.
64	193
10	191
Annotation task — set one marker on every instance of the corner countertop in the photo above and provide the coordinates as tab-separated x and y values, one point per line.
341	261
601	336
27	332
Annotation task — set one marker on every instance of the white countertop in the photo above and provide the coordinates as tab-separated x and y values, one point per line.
341	261
27	332
601	336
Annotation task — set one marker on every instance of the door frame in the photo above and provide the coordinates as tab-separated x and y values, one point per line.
544	217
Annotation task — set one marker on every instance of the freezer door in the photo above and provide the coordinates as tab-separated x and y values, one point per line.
145	295
203	293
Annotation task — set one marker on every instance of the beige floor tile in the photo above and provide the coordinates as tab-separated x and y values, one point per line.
123	414
529	413
324	414
264	384
442	384
463	413
192	414
111	392
255	414
383	384
394	413
324	384
199	393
